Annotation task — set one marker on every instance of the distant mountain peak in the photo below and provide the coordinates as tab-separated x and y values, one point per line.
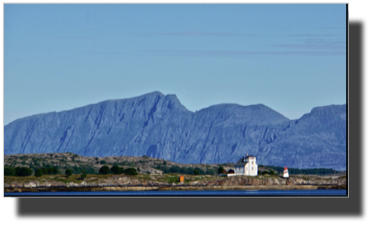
159	126
153	93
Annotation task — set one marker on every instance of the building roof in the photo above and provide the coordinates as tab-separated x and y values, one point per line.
241	163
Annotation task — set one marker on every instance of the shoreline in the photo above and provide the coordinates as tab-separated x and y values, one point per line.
169	188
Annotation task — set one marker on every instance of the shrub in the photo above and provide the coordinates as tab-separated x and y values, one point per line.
9	171
23	171
117	170
84	174
191	171
130	171
104	170
210	172
38	173
103	162
201	171
196	172
165	169
185	170
175	169
68	172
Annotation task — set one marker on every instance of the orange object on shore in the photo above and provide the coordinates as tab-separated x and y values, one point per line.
181	179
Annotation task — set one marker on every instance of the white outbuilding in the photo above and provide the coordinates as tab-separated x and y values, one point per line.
246	166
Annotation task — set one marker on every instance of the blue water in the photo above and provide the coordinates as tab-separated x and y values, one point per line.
321	192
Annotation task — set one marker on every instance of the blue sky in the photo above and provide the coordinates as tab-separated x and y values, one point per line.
289	57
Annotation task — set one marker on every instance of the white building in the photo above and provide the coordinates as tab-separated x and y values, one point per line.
285	173
246	166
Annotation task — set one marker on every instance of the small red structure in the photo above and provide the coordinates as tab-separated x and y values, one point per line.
181	178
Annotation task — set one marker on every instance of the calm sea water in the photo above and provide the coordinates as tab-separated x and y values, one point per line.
321	192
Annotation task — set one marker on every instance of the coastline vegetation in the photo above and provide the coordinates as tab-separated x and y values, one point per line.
312	171
58	163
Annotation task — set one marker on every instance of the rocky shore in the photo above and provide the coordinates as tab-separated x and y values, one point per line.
134	183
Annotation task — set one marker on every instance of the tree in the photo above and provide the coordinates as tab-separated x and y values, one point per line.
9	171
68	172
117	170
38	173
130	171
196	172
55	170
104	170
84	174
201	171
114	169
50	170
44	170
221	170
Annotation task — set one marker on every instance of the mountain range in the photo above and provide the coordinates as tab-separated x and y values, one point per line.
158	125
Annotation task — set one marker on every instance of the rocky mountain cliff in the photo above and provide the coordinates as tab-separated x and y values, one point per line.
159	126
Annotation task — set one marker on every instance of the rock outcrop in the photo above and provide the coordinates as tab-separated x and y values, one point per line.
125	183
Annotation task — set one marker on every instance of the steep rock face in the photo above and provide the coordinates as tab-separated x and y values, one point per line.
317	139
115	127
218	134
160	126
